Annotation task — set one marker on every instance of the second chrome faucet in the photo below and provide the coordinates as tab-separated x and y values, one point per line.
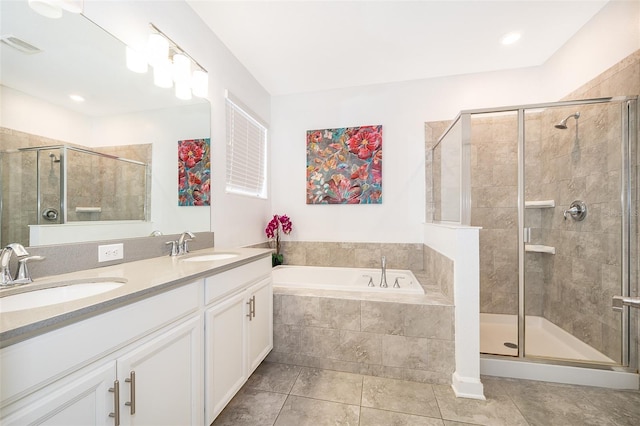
181	246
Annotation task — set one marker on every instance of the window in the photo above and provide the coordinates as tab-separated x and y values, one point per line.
246	151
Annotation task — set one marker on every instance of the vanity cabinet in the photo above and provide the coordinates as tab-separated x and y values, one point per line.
238	331
158	339
82	399
155	383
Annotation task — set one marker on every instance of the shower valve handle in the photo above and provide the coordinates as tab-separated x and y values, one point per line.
577	210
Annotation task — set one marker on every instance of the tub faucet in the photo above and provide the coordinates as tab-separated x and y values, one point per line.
383	275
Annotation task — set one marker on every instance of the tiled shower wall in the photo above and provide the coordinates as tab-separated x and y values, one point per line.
92	182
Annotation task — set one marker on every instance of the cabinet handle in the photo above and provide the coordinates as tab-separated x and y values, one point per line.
132	380
250	303
116	402
253	303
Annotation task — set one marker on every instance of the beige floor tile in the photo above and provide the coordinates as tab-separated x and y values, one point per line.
400	396
251	407
497	410
299	411
544	404
373	417
274	377
623	406
329	385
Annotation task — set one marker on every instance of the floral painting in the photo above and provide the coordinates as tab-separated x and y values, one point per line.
194	172
344	166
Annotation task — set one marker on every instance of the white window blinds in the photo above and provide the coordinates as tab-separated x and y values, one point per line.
246	152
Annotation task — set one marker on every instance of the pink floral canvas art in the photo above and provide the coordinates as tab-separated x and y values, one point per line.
194	172
344	166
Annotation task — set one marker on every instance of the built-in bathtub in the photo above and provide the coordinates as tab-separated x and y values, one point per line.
327	317
346	279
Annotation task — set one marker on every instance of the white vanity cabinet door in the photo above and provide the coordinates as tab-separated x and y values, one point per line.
225	352
167	387
260	333
80	400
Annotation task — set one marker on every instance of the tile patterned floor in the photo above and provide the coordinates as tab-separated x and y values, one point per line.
288	395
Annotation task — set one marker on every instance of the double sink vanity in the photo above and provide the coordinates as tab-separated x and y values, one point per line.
166	340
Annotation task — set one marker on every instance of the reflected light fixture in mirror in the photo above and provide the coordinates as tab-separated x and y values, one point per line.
171	66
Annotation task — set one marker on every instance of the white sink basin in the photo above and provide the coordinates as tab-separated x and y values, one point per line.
54	295
210	257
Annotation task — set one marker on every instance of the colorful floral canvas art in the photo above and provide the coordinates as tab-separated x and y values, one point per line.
194	172
344	166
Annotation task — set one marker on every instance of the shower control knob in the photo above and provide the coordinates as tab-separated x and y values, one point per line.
577	210
50	214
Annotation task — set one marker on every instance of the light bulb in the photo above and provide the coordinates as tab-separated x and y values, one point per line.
200	83
183	90
181	68
157	49
162	74
136	61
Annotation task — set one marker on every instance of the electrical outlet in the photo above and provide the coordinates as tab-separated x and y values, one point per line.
110	252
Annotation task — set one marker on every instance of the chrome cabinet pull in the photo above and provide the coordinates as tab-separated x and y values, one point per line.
252	308
253	303
132	403
116	402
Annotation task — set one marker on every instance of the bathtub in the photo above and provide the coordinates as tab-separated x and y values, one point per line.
345	279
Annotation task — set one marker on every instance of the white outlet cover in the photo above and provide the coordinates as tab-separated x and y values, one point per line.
107	253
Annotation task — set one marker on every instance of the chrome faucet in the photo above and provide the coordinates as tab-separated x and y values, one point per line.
185	237
180	246
383	275
22	274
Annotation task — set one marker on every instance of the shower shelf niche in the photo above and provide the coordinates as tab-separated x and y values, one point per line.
542	204
538	248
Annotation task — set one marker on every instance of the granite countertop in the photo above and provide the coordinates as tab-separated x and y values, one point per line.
144	278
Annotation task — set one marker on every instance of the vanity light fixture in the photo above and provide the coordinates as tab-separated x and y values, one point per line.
171	66
53	8
76	98
510	38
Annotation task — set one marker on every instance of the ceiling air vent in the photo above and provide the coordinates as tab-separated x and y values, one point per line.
18	44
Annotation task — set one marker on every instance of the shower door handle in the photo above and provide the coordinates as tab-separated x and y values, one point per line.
621	301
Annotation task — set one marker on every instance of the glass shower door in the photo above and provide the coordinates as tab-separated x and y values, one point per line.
573	260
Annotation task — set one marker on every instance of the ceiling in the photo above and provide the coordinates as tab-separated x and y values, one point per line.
301	46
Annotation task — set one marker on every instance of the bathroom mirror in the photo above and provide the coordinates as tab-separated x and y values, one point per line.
123	114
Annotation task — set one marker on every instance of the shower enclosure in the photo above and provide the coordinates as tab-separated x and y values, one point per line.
59	184
554	188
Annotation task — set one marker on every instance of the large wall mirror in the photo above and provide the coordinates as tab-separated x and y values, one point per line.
99	169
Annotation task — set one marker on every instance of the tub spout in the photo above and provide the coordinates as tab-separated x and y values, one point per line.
383	275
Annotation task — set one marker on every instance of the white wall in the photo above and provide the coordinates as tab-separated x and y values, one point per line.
25	113
402	108
235	220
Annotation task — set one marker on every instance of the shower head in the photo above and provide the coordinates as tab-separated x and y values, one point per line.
563	124
53	157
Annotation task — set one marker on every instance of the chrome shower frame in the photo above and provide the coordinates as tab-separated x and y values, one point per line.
629	355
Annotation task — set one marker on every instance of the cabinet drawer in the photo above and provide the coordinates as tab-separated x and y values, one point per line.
54	354
228	282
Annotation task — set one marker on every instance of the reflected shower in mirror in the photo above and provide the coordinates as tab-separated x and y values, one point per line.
123	115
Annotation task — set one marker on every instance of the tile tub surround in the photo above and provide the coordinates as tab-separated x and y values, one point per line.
409	338
354	255
290	395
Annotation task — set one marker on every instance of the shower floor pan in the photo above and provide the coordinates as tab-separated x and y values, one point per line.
499	336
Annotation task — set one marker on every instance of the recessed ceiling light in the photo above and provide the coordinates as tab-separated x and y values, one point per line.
510	38
77	98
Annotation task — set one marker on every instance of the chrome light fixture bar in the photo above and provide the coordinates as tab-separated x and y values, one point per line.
171	66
